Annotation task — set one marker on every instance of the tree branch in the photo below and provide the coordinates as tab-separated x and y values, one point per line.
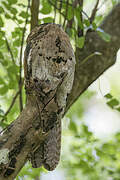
18	140
70	22
94	12
12	102
21	55
88	72
66	13
34	13
11	105
9	50
55	6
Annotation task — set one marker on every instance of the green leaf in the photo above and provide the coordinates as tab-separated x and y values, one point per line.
77	14
1	22
105	36
108	148
12	84
108	96
17	42
118	109
94	26
113	2
12	1
13	69
87	22
98	19
23	14
73	126
13	10
3	90
4	62
70	13
2	42
46	8
1	55
7	6
2	34
113	102
19	21
80	41
22	5
17	32
48	20
14	34
8	16
1	10
1	81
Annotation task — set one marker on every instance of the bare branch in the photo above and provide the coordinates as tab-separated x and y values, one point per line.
94	12
66	13
60	7
55	11
34	13
12	103
80	30
9	50
55	6
21	55
70	22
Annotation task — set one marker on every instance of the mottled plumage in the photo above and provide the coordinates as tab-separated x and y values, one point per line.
49	66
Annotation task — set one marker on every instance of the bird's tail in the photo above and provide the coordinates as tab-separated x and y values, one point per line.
48	153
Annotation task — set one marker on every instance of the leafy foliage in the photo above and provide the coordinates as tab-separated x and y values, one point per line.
112	102
88	157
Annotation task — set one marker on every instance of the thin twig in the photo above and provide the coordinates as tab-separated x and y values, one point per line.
9	50
55	6
12	103
55	11
70	22
70	4
85	14
94	12
60	11
89	57
21	54
66	13
80	30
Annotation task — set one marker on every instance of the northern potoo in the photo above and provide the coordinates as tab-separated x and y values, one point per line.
49	65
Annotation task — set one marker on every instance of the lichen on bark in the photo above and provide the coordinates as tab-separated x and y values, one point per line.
4	159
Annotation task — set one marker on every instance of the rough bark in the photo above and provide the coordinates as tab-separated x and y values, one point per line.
16	142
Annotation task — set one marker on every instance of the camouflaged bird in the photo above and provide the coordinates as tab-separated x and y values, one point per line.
49	65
